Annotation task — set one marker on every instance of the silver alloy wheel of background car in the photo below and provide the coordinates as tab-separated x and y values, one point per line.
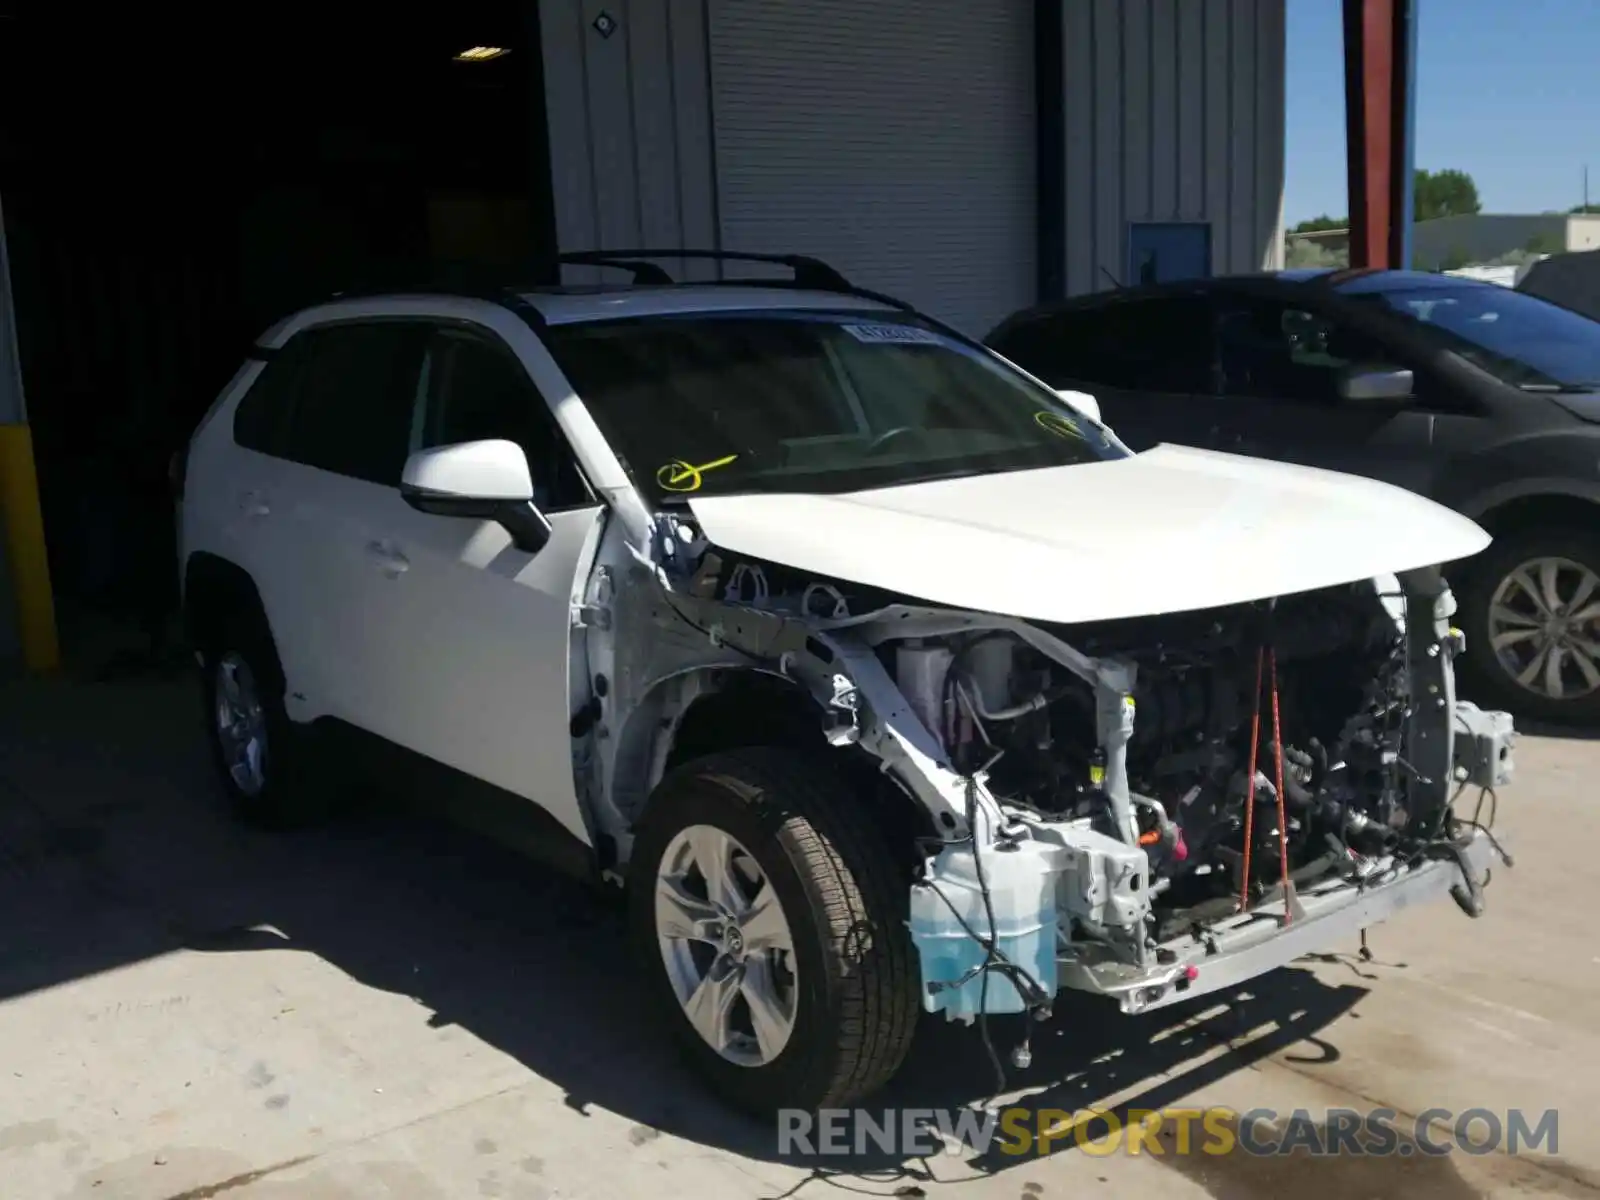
241	724
1544	627
727	946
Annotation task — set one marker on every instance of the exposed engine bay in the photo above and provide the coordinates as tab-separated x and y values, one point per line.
1204	689
1143	789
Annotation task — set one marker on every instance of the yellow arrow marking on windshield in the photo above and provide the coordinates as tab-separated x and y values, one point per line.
1054	422
679	476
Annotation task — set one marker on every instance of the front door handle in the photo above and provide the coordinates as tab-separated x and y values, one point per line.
254	504
390	560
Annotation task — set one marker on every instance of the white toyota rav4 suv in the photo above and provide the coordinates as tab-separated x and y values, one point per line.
884	678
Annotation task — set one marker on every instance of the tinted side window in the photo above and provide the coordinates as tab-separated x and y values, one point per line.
477	390
1270	350
1095	346
1139	345
353	407
1169	345
261	420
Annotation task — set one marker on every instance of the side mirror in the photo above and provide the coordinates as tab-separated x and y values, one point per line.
483	481
1082	401
1376	384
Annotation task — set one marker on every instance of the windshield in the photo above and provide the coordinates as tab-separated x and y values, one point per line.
809	402
1519	338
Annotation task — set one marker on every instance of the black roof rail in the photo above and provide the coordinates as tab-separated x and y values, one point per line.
505	297
812	274
643	272
808	272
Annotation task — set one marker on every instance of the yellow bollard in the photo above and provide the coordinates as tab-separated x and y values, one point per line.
30	565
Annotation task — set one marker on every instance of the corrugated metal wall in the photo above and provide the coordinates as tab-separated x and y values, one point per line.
1174	112
631	148
893	139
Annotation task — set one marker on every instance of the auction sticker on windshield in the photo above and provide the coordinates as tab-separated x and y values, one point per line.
894	335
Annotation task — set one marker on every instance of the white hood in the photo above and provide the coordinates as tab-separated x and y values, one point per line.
1168	530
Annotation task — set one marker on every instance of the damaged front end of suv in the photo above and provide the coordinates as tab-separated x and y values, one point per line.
1150	807
956	702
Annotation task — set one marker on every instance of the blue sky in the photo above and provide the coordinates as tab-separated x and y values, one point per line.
1508	91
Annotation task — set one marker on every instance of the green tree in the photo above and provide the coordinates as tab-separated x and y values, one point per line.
1447	193
1580	209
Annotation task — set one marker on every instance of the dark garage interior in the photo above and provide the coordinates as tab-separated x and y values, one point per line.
173	182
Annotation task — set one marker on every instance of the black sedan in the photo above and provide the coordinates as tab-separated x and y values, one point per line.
1480	397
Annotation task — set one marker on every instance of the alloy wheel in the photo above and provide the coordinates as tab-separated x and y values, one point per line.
727	945
241	725
1544	628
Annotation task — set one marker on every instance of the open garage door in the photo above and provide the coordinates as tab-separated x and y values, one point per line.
895	140
176	181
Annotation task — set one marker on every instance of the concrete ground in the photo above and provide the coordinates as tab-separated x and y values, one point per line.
387	1008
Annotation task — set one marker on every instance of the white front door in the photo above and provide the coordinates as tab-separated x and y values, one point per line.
478	676
477	672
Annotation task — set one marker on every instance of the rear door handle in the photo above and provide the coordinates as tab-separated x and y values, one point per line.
390	560
254	504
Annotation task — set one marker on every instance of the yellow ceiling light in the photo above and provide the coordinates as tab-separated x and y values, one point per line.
482	53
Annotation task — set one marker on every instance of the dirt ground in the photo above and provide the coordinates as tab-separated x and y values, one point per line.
388	1008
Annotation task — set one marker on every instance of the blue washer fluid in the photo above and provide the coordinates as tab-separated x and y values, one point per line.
1022	887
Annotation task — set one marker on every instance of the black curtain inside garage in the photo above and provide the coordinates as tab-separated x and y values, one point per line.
172	184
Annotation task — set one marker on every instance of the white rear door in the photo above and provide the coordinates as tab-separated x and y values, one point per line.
336	492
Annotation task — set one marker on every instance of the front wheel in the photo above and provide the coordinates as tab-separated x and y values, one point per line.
1531	612
769	914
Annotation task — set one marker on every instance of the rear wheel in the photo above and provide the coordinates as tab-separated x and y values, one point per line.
260	755
1531	612
769	914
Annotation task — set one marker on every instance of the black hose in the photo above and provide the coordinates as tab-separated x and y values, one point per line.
990	949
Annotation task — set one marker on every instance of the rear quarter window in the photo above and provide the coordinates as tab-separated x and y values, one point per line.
261	418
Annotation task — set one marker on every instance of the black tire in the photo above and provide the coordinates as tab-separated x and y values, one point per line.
290	794
1484	677
845	894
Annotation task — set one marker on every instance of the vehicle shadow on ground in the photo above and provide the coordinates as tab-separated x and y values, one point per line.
1565	731
113	849
1529	726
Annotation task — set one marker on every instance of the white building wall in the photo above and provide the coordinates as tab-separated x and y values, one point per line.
1175	112
1583	231
658	135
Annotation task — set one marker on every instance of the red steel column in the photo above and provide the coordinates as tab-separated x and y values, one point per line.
1376	127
